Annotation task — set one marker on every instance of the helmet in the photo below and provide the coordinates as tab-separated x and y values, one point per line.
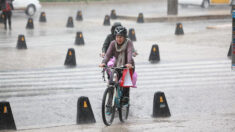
120	30
116	24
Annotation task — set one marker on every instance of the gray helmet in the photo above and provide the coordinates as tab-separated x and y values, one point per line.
116	24
120	30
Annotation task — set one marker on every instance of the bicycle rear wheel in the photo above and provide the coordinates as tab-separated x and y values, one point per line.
123	112
108	108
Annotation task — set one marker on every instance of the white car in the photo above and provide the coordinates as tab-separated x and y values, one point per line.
205	3
29	6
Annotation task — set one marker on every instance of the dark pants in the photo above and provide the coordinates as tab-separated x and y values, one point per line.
7	16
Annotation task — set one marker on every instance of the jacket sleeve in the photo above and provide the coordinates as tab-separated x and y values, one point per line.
109	53
106	44
129	52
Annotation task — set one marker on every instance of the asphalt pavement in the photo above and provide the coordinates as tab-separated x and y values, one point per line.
194	71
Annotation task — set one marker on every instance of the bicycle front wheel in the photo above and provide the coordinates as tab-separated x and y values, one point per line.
108	107
123	112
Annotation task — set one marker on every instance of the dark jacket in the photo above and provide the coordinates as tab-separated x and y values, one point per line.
112	52
3	4
107	42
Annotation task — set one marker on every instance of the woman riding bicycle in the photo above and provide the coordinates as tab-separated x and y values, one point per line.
121	48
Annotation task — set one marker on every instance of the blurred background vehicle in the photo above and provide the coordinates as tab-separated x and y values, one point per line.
29	6
205	3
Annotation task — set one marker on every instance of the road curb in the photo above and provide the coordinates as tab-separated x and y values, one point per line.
177	18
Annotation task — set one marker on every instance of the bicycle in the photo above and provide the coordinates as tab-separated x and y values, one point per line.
113	97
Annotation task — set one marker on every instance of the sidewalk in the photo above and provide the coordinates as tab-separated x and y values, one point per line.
153	10
179	18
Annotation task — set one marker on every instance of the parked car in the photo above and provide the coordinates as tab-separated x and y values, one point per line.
29	6
205	3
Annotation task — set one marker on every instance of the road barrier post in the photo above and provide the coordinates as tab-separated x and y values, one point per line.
43	17
21	43
84	111
154	54
160	106
70	22
79	39
106	20
6	117
70	58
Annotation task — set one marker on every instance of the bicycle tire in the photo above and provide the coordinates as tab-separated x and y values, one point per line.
123	113
104	103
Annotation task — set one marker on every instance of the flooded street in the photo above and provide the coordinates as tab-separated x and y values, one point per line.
194	72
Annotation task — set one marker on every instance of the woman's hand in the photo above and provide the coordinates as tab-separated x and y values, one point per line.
101	65
129	66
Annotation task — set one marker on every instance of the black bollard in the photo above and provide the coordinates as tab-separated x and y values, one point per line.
30	24
179	29
160	106
106	20
70	23
140	18
84	111
21	43
154	54
131	34
113	14
70	58
79	39
43	17
6	117
79	16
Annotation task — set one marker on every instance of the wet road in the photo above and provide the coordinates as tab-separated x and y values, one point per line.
194	71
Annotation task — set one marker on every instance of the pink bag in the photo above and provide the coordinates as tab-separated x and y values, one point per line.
111	62
134	79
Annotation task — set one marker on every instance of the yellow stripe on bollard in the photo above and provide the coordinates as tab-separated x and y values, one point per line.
70	53
180	26
154	49
133	32
4	109
84	104
161	99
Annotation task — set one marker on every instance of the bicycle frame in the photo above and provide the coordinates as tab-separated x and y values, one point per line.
112	98
117	92
118	95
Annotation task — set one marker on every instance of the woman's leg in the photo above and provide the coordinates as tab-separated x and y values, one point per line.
126	92
5	20
9	19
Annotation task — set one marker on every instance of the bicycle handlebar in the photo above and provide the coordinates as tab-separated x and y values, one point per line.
122	67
